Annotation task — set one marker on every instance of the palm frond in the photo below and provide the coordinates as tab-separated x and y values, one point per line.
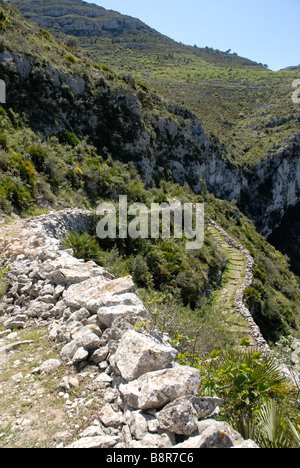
83	245
274	430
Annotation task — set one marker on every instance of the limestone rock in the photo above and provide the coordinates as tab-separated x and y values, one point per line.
100	355
68	382
107	315
73	274
50	366
109	417
102	441
37	308
17	321
104	380
152	441
68	351
80	315
246	444
216	435
80	355
138	354
181	415
205	406
138	424
156	389
95	292
90	341
93	431
78	331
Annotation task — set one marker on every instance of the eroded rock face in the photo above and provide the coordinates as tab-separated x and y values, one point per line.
178	144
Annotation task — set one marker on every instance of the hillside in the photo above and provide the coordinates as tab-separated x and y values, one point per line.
245	105
245	109
74	133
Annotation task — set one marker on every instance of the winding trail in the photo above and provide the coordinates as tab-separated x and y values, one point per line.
236	278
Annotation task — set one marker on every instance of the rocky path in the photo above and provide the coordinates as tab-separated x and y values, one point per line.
237	276
77	369
232	278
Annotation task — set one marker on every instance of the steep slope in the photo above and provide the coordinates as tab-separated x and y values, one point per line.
97	406
74	133
245	109
79	18
247	106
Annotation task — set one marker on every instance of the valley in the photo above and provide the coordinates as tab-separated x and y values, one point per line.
99	105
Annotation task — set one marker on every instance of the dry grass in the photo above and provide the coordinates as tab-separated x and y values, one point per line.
35	411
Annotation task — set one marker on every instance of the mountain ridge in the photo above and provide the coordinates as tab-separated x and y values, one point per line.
72	10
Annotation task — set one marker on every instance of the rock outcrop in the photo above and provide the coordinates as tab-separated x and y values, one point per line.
154	402
80	18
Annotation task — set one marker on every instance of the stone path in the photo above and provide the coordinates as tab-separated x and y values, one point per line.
144	398
237	277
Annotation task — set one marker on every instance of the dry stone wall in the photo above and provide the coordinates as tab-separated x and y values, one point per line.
240	307
151	401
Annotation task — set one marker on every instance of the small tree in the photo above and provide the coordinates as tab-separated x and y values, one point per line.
140	272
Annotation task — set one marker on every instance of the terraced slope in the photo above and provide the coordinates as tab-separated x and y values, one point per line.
233	276
237	276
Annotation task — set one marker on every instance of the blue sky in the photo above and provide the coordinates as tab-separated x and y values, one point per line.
266	31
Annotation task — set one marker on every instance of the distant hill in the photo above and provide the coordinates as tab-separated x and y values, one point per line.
79	18
292	69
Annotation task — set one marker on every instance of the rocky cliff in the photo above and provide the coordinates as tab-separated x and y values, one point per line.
79	18
117	118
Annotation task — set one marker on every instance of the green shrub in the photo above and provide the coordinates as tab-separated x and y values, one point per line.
273	429
3	282
70	59
143	86
243	379
106	69
3	141
13	192
68	138
253	299
25	168
45	33
38	156
2	22
136	191
140	271
84	246
191	284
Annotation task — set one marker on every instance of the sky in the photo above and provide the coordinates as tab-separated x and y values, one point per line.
266	31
